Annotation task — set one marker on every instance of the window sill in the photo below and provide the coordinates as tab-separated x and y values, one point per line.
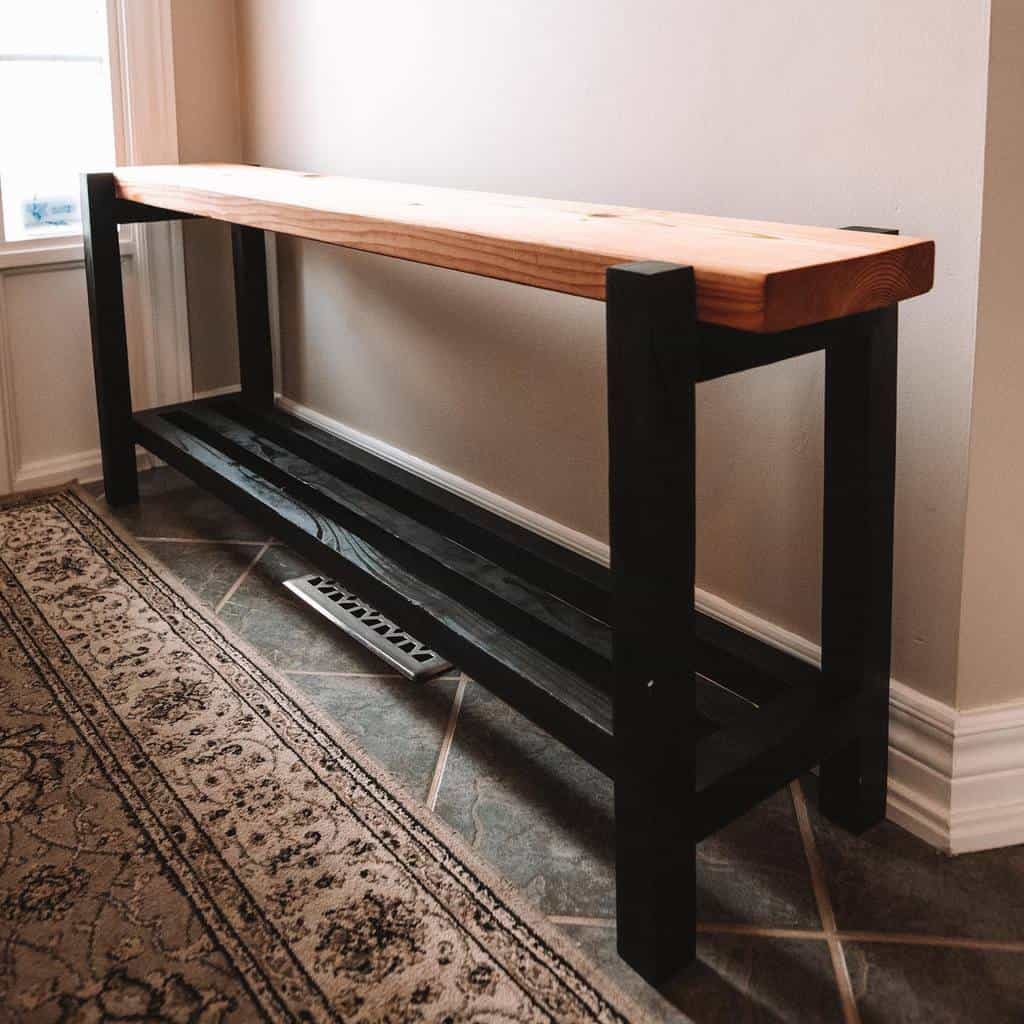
20	255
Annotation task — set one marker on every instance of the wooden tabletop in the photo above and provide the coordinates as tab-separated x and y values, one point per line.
754	275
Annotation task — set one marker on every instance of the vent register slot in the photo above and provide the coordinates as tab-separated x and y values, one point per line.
366	625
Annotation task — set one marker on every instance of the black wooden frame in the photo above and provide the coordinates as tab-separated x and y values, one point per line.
580	649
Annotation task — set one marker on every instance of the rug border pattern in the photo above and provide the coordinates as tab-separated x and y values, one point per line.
524	925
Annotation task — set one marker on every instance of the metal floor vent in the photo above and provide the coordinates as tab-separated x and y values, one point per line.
369	627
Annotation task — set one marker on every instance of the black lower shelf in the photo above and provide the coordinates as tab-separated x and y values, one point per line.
525	617
575	710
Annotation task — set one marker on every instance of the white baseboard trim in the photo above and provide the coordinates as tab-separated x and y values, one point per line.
956	778
226	389
83	466
581	543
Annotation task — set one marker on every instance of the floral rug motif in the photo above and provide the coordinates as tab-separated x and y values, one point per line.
184	839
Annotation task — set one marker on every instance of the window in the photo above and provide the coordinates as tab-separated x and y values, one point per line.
56	115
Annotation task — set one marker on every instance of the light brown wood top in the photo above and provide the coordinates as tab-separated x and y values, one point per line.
754	275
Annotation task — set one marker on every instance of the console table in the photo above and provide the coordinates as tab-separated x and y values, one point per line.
616	663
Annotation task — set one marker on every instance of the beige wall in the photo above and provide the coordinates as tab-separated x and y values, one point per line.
829	113
992	625
209	128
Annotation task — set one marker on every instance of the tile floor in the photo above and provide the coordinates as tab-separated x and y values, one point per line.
799	921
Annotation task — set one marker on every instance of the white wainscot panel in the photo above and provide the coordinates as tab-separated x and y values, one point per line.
51	416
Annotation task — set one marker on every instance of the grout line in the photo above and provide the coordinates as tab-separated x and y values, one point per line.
828	918
807	934
342	675
888	938
706	928
938	941
810	935
446	745
197	540
241	579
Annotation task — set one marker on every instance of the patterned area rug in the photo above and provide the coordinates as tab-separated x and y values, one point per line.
183	839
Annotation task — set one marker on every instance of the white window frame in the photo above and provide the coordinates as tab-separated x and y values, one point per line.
145	132
67	246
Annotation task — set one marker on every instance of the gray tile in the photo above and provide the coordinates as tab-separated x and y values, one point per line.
209	570
598	945
397	722
923	985
754	871
887	880
544	818
735	978
170	505
539	813
285	630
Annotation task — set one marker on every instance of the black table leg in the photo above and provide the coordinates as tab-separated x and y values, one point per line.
109	338
651	317
856	613
255	356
